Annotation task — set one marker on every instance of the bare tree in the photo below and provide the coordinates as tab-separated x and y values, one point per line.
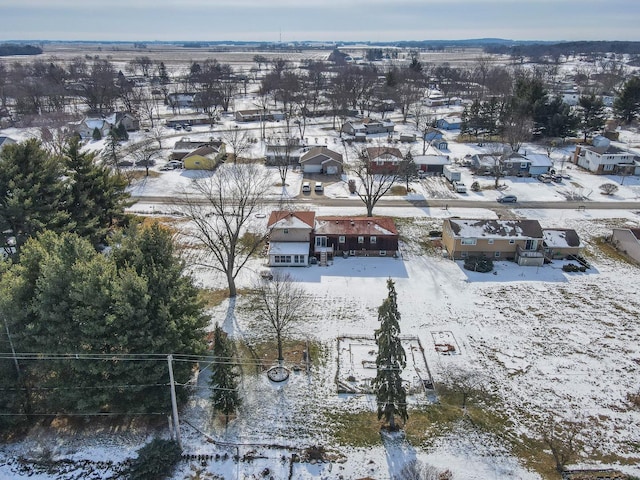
221	207
516	129
416	470
374	180
563	439
497	156
239	141
467	383
423	118
144	153
608	188
281	303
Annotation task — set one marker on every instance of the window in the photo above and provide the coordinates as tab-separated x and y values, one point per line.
341	239
360	239
373	239
523	165
282	259
298	259
321	241
607	167
285	231
497	254
490	241
512	241
468	241
383	253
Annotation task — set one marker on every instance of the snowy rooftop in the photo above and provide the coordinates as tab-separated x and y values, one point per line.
473	228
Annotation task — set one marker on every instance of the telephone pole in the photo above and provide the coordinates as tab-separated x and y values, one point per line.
174	403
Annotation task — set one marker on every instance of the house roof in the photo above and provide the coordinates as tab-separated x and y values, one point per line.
561	237
538	160
474	228
431	160
288	248
316	151
286	219
375	152
7	140
636	232
204	151
355	226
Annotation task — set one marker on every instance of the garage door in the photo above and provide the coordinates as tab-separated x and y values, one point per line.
332	170
312	168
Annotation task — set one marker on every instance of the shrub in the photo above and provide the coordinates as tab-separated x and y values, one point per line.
156	460
475	186
571	267
352	186
608	188
480	264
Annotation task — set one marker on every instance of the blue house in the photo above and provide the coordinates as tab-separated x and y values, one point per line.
449	123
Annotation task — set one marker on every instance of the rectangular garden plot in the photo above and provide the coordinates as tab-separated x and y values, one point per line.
357	365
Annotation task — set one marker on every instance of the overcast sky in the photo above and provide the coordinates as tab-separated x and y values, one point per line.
294	20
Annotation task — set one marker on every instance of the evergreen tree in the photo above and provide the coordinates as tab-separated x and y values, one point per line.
121	131
223	382
96	135
391	359
627	104
111	151
97	195
592	115
32	192
63	297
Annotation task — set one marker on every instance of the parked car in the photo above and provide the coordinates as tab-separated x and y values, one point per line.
508	199
319	188
306	187
187	127
172	165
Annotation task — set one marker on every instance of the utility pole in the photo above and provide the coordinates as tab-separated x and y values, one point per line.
13	350
174	403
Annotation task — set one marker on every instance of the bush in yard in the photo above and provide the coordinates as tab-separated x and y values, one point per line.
352	186
475	186
480	264
608	188
571	267
156	460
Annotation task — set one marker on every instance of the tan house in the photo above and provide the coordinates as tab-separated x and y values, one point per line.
289	238
519	240
559	243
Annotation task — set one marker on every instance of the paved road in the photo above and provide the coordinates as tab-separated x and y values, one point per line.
435	203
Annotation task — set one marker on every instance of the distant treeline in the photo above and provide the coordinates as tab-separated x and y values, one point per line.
7	49
565	48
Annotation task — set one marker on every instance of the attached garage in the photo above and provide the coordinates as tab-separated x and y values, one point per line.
332	170
311	168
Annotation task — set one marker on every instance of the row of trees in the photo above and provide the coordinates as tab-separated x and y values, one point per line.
532	112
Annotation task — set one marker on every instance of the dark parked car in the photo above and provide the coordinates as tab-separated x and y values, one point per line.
508	199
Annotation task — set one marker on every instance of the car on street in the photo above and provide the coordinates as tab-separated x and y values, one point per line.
508	199
172	165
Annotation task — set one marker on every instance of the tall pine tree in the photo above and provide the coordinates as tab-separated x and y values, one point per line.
390	393
98	195
223	381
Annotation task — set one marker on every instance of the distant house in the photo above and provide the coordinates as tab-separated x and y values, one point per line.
181	100
250	115
368	126
513	164
189	119
4	141
289	238
627	240
407	137
520	240
207	157
321	160
559	243
104	124
449	123
186	145
384	159
289	151
604	159
359	236
431	164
